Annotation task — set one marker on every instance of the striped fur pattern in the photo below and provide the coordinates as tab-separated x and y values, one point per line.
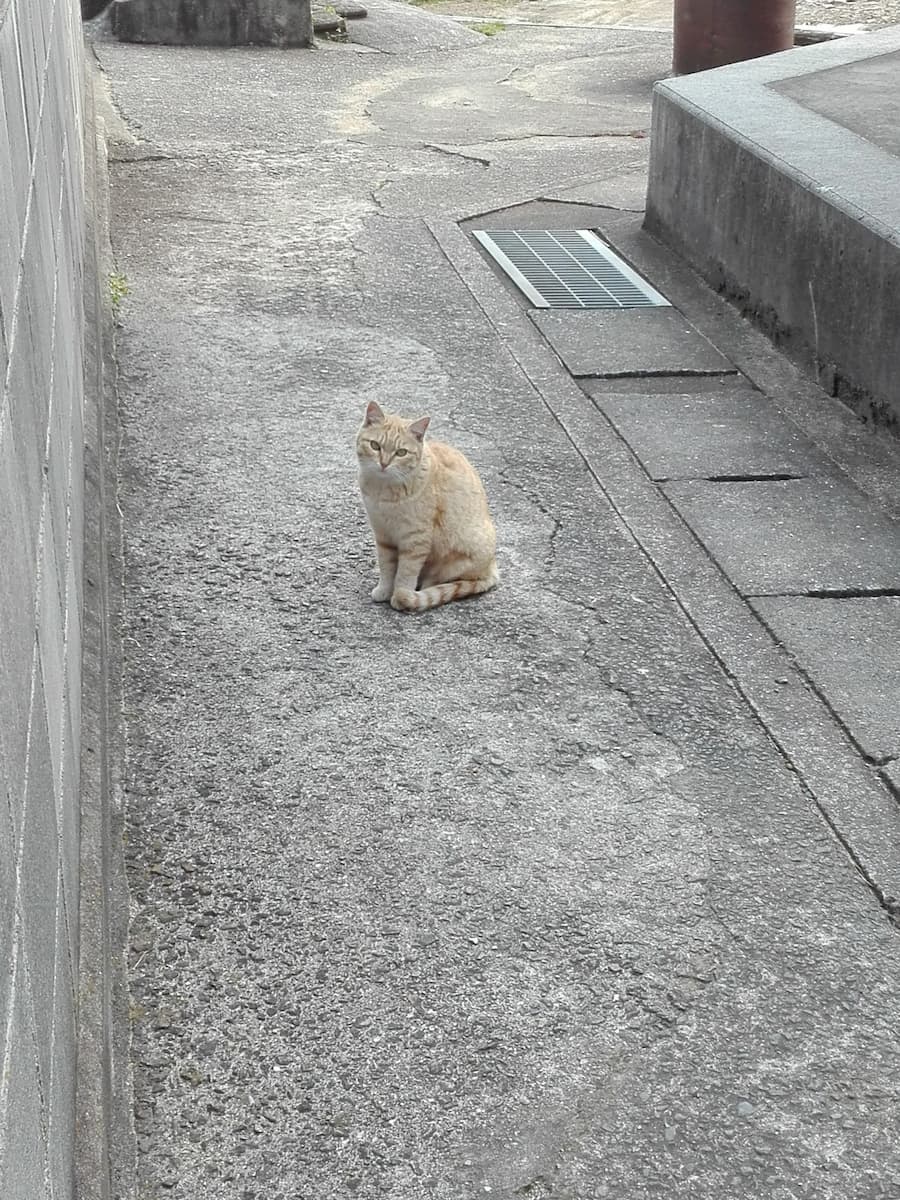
434	536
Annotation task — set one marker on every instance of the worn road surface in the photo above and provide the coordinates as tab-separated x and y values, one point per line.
655	14
516	898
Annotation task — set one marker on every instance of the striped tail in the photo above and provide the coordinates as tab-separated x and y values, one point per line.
442	593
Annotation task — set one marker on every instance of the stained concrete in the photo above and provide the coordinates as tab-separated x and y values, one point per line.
518	898
639	341
860	96
733	431
796	535
850	649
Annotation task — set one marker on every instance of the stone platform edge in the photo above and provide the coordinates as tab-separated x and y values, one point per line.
791	216
105	1147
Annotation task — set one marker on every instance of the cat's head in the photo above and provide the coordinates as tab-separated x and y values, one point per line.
389	447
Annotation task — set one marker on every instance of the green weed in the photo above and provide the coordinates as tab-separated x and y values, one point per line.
118	290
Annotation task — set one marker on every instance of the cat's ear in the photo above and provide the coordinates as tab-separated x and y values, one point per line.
417	428
373	414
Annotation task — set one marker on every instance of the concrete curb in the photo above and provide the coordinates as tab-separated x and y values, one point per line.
105	1146
808	243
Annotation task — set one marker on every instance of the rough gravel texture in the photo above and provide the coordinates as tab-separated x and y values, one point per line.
515	898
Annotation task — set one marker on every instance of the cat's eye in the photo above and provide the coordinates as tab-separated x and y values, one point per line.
400	452
375	445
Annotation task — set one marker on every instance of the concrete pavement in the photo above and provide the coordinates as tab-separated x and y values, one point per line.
579	890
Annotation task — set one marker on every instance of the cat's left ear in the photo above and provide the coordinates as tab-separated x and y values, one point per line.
373	414
417	428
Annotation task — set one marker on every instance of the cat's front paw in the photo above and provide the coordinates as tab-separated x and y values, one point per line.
382	593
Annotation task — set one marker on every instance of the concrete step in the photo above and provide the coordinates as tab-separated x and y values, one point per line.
779	181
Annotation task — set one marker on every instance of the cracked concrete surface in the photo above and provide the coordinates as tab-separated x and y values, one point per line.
517	898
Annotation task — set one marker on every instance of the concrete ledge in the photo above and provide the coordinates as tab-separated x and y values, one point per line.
791	214
104	1144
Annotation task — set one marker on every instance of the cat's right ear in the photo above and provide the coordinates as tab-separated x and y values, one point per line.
373	414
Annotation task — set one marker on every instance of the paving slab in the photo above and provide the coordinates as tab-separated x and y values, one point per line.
627	190
850	649
792	536
733	432
639	341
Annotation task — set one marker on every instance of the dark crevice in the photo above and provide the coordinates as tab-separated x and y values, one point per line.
862	593
610	377
894	789
874	760
588	204
450	153
727	478
636	134
762	478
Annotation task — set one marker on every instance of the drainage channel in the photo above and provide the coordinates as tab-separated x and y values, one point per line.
568	268
858	807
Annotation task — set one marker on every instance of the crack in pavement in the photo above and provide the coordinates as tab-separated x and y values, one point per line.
635	134
542	507
484	162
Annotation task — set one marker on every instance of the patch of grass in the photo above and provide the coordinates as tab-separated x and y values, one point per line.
489	28
118	290
422	3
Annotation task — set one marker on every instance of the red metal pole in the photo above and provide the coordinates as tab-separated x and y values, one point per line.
711	33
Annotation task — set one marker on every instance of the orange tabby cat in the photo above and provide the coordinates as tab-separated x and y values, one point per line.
433	533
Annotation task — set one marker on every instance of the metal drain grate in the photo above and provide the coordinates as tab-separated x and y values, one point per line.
569	268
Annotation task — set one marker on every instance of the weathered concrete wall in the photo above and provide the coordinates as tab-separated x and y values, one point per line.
281	23
790	214
42	514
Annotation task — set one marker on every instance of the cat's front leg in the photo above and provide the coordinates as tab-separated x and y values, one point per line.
387	569
409	568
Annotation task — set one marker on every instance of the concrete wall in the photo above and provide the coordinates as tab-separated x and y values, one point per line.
791	215
281	23
41	555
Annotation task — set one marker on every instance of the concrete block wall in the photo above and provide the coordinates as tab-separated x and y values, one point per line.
41	589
